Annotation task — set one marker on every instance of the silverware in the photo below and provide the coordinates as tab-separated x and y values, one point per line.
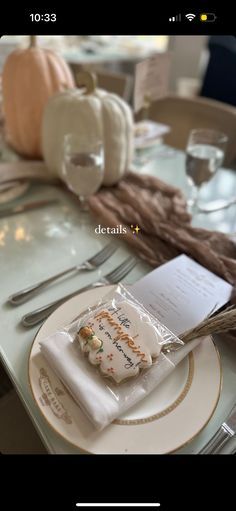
217	205
35	317
89	265
30	206
223	435
5	187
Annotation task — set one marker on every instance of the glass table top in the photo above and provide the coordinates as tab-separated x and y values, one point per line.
43	242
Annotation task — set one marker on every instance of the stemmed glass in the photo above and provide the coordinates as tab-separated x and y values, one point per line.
204	155
83	166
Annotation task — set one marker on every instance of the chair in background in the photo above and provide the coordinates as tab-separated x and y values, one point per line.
120	84
185	114
219	81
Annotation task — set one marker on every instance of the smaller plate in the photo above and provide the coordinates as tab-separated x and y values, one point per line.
148	133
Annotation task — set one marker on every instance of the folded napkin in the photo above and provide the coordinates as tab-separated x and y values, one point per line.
99	402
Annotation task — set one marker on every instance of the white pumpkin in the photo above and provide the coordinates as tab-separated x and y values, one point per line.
94	112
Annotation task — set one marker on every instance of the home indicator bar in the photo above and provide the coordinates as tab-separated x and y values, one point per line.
114	504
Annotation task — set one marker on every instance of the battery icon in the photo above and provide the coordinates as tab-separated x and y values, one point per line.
207	16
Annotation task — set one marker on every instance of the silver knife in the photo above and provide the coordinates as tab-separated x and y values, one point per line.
223	435
29	206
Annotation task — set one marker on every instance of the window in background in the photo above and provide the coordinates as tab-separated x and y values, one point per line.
118	54
89	44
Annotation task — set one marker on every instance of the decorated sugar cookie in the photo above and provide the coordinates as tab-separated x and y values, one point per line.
119	341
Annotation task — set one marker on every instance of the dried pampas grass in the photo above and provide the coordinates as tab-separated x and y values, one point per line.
216	324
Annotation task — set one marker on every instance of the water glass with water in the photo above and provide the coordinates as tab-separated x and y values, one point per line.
204	155
83	165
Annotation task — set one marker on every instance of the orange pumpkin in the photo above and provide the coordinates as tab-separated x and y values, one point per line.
29	78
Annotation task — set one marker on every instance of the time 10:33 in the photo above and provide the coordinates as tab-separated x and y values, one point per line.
43	17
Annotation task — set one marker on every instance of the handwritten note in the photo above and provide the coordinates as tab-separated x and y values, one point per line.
151	79
181	293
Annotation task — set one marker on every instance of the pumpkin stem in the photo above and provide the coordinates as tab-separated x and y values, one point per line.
87	80
33	41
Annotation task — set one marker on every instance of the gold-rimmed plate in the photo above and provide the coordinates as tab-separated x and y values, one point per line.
171	416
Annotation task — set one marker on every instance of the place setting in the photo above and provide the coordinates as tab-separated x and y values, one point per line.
80	401
122	298
166	393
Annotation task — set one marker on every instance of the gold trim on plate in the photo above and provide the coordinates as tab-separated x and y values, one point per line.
170	408
214	408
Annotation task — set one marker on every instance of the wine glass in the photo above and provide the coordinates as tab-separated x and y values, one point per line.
204	155
83	165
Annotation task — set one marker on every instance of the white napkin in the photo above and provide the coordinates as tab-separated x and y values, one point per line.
101	401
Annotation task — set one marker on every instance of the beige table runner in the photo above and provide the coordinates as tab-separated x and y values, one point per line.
160	211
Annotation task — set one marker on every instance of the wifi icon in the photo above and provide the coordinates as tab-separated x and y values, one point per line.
190	17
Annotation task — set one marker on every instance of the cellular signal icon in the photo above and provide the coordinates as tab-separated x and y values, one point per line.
175	18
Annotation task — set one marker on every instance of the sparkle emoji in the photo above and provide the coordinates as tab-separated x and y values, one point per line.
136	229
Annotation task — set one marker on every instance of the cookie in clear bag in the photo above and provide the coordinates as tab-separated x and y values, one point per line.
120	337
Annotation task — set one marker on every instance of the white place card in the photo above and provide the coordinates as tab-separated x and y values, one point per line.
148	132
181	293
151	79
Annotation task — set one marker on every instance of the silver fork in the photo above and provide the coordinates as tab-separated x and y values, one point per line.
91	264
35	317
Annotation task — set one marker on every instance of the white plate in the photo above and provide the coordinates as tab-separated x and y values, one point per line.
167	419
153	133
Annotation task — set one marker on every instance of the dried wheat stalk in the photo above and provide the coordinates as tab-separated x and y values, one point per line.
221	322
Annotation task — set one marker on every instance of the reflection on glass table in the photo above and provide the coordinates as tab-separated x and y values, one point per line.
148	155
